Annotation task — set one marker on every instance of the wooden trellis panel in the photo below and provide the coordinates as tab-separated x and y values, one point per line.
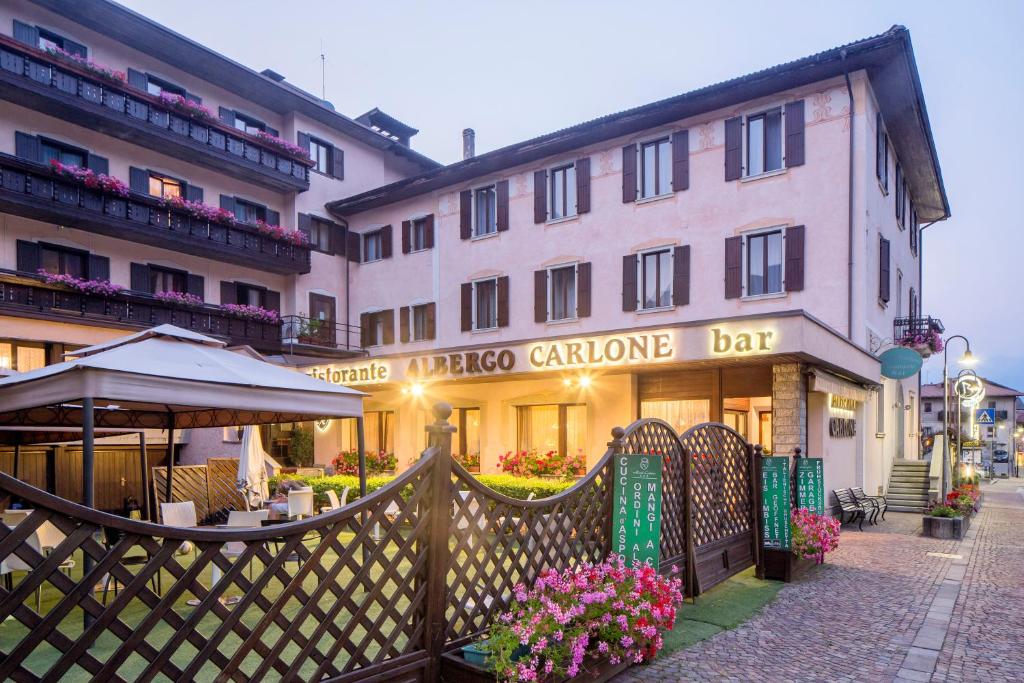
222	485
188	482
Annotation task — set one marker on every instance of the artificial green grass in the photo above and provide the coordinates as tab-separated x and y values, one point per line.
722	608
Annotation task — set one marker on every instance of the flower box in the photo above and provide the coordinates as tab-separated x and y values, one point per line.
783	565
456	669
945	527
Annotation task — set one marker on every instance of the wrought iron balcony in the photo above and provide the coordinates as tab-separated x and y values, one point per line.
32	190
45	83
29	296
903	328
310	336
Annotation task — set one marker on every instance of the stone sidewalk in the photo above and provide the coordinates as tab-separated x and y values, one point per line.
890	605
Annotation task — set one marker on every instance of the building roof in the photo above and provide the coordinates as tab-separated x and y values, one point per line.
992	390
888	59
269	88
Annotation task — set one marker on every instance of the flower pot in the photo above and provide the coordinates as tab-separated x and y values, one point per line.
473	469
945	527
923	349
783	565
455	668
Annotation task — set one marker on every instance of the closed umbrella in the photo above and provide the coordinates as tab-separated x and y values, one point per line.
252	468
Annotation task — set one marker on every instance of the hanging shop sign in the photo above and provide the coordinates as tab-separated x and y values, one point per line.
636	513
900	363
775	502
810	484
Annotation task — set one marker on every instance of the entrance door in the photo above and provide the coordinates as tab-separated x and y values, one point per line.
321	311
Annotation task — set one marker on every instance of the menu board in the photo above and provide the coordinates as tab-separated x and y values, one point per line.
775	502
810	484
636	513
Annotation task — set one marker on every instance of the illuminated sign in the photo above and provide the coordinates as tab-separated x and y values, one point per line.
724	343
374	372
467	363
581	353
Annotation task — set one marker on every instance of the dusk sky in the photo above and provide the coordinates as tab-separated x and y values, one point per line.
519	69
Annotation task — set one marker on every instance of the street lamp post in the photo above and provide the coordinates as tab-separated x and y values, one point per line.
966	359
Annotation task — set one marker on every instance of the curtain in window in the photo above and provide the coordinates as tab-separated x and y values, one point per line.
575	430
538	428
681	414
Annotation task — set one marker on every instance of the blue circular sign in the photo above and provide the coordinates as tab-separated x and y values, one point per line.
900	363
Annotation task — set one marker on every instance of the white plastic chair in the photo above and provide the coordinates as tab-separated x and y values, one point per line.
300	503
13	518
12	563
179	514
333	502
252	519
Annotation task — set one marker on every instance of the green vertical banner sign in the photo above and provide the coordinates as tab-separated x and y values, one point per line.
775	502
636	514
810	484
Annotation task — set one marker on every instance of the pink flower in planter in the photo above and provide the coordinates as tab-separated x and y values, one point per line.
283	145
185	106
257	313
97	287
91	179
96	69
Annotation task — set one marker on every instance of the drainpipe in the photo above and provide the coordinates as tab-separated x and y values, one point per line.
920	306
849	209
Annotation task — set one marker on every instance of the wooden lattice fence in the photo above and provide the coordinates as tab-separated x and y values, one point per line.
212	487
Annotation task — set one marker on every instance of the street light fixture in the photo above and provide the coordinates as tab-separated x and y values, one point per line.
966	359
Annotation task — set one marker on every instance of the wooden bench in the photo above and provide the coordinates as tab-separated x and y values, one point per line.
879	502
848	505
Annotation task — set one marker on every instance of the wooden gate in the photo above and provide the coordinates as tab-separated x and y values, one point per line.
722	503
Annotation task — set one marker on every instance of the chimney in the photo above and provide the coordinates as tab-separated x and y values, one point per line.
468	143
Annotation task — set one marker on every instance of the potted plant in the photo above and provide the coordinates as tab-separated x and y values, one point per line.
309	330
944	521
812	536
925	342
588	622
471	461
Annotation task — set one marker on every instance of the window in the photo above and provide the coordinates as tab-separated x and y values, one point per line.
248	124
764	263
61	261
157	86
65	154
561	428
320	153
167	280
247	212
927	406
162	186
419	327
251	295
50	40
562	293
378	430
764	142
562	196
681	414
737	419
899	292
655	279
485	211
373	246
881	154
485	304
418	234
880	410
232	434
655	168
319	234
22	356
900	188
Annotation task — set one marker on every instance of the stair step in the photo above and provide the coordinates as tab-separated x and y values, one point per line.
906	508
907	478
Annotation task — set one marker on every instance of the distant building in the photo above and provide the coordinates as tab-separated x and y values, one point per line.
996	440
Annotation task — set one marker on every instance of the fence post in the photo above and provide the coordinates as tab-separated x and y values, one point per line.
758	504
440	437
690	582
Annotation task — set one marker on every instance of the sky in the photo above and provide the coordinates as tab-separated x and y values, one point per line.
515	70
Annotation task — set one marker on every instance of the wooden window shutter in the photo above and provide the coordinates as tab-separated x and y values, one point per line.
883	270
428	240
273	217
138	180
466	214
193	193
795	134
227	203
137	79
540	296
733	267
197	286
140	281
467	306
628	174
97	164
583	290
227	116
403	324
337	163
385	241
629	293
733	148
228	292
354	247
680	160
501	190
192	97
681	275
28	35
406	236
794	270
76	48
28	257
305	224
503	286
540	196
303	140
431	321
27	146
99	267
365	321
583	185
272	300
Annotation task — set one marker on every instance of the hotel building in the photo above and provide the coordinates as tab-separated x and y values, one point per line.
738	253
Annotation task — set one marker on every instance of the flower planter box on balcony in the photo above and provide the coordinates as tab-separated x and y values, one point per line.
945	527
783	565
455	669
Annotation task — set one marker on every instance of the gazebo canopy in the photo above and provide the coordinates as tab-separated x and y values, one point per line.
167	377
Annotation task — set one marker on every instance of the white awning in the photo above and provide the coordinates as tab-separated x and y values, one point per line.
828	383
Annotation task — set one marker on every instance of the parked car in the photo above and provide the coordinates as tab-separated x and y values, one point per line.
1000	456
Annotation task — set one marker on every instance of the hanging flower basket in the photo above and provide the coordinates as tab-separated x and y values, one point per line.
924	342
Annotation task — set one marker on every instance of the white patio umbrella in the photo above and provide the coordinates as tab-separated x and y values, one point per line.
252	468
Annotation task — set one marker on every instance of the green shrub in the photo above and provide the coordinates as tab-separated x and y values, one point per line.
521	487
301	450
943	511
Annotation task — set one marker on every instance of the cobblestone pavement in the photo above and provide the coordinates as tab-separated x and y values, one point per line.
878	610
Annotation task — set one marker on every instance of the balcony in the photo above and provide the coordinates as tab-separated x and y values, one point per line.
902	328
32	190
304	336
28	296
45	83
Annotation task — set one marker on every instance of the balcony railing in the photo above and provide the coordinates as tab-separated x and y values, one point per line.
31	189
26	295
42	82
918	325
302	335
